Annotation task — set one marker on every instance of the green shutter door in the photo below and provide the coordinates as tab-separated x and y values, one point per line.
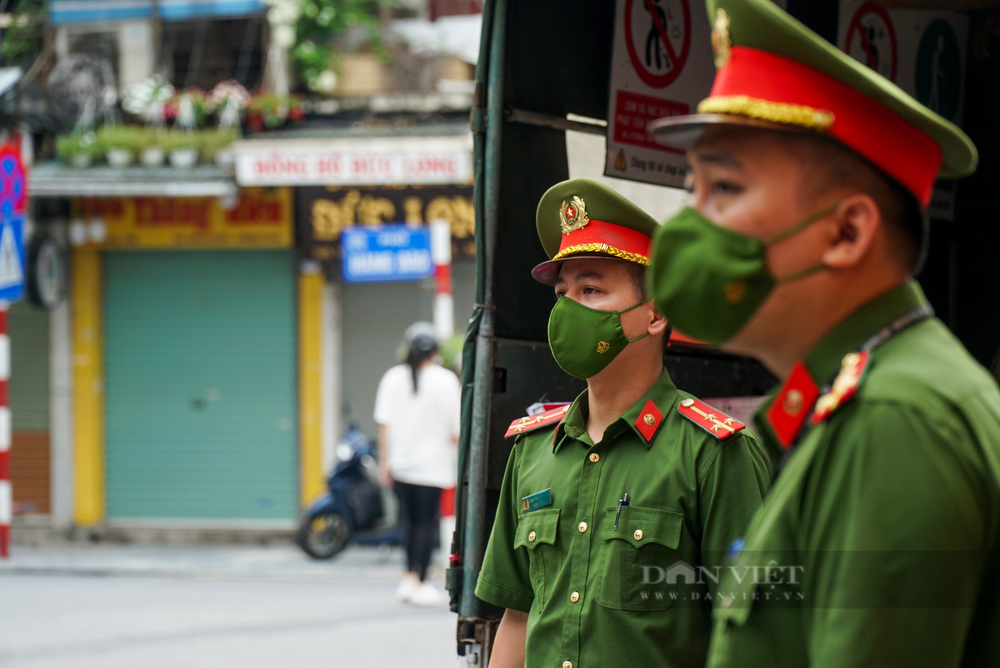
200	385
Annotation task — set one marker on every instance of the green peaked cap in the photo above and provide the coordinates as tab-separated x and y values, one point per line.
762	25
597	203
602	202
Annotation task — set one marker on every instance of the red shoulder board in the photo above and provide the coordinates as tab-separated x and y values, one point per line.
533	422
712	420
852	372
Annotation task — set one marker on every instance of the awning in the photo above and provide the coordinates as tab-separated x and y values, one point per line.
53	179
64	12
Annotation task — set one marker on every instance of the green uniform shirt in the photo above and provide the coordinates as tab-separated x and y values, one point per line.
882	531
597	597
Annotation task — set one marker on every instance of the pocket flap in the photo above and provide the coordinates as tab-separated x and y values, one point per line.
641	526
537	527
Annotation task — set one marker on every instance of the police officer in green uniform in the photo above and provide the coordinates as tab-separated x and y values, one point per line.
609	502
879	542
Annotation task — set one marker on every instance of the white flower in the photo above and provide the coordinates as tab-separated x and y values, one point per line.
284	36
324	82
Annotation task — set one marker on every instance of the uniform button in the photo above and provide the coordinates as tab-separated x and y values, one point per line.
575	596
567	664
649	419
638	534
531	537
594	457
583	527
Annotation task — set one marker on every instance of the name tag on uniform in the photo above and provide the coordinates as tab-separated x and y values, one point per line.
536	501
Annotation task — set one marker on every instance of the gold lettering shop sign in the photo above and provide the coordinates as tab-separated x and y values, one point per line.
324	212
258	218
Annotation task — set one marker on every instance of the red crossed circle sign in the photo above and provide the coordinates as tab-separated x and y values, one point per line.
658	38
872	26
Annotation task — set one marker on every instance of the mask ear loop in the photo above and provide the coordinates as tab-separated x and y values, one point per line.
629	309
798	227
795	229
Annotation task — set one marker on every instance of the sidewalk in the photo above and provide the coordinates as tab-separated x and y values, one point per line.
220	562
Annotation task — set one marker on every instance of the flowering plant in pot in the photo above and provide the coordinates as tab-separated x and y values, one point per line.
271	110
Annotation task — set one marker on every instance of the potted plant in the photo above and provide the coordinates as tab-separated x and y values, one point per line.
120	144
78	149
152	154
182	147
271	110
215	146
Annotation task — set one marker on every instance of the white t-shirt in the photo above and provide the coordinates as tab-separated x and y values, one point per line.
420	426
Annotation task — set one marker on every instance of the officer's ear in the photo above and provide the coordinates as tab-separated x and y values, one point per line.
658	323
858	221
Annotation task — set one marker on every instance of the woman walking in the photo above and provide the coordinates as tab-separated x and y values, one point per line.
417	409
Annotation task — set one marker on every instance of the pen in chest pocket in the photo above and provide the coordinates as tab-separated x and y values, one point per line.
621	502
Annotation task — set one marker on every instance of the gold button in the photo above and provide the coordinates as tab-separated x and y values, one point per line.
583	527
649	419
575	596
567	664
687	403
531	537
638	534
594	457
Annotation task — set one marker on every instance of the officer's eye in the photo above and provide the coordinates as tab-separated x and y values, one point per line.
726	188
560	294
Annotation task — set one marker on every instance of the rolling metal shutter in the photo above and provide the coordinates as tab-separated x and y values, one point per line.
201	385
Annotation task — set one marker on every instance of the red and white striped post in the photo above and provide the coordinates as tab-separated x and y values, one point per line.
6	495
444	329
444	318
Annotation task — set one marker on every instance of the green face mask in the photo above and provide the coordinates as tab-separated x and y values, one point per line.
585	340
709	281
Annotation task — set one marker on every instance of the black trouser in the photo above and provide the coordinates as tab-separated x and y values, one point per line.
419	509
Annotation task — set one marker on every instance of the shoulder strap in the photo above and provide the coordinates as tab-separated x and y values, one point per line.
712	420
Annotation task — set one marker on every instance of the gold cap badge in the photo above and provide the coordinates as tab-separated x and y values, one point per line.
573	215
720	38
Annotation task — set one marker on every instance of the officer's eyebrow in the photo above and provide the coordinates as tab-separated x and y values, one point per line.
720	158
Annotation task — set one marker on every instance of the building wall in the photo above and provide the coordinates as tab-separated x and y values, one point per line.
30	458
375	317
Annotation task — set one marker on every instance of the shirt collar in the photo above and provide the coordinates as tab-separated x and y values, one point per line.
663	393
847	337
825	359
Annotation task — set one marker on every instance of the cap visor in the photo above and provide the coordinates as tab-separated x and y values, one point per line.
548	272
685	131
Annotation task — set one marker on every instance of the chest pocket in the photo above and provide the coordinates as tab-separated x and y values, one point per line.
638	559
539	532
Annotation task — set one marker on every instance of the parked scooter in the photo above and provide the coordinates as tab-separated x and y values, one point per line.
352	508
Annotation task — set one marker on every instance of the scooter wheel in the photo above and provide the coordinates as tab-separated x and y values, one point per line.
323	536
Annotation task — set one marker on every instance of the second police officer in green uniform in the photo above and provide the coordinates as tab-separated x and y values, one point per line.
879	542
609	504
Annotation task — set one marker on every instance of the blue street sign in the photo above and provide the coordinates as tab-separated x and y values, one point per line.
386	253
12	259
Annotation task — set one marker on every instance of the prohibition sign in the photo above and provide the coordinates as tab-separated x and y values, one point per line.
663	31
876	35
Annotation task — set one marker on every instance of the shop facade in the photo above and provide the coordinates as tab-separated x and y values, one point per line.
185	339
